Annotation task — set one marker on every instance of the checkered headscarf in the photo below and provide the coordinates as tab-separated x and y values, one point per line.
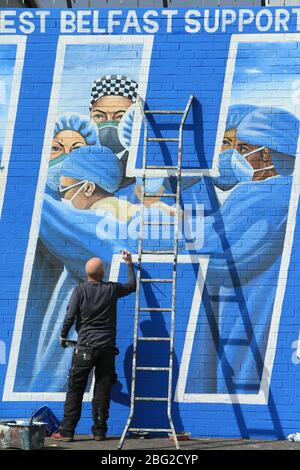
118	85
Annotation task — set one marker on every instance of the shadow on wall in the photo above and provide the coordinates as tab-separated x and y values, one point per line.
146	413
211	301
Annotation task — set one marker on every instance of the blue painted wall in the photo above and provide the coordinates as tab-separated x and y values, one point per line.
236	370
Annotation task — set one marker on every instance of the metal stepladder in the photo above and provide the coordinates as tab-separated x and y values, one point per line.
172	251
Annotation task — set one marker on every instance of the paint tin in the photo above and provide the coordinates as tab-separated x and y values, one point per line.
22	434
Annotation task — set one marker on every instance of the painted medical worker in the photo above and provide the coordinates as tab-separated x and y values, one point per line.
80	190
112	109
245	239
72	229
227	178
69	239
111	96
89	176
71	131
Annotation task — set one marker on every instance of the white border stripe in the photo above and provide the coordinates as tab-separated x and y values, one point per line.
20	41
147	41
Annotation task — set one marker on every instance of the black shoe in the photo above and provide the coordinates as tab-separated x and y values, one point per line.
100	437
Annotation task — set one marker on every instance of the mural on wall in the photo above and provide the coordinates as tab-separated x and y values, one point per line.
229	343
90	199
87	167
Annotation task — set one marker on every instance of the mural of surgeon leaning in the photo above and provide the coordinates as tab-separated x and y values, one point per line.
244	238
112	108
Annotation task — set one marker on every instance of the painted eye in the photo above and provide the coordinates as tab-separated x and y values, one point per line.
99	117
78	146
242	150
119	116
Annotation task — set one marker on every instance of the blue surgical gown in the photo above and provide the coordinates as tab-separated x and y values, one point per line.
69	238
72	236
244	239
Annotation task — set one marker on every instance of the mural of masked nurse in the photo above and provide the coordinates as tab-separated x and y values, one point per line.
244	238
71	131
88	220
89	177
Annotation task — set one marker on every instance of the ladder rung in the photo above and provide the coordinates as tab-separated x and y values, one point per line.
153	338
166	167
149	430
164	111
162	139
157	252
160	195
153	368
155	309
156	280
151	399
149	222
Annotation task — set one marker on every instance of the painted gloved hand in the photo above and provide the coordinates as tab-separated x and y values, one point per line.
125	127
152	185
63	342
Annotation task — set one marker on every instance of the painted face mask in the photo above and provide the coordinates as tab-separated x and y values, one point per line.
69	202
54	171
242	168
227	178
108	136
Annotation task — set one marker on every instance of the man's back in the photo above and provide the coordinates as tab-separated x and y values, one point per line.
93	309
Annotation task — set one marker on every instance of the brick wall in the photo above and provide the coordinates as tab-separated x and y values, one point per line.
236	329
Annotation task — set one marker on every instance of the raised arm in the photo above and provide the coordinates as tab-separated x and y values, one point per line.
125	289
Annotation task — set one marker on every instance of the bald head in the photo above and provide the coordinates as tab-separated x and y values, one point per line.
94	269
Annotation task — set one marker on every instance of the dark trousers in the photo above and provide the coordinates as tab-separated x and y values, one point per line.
83	361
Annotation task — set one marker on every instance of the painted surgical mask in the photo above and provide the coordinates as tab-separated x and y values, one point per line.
53	174
69	202
227	178
242	168
108	136
234	168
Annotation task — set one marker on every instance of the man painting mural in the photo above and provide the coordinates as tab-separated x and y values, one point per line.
88	218
71	131
93	308
89	176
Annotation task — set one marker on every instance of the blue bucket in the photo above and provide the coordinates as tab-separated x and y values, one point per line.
46	415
